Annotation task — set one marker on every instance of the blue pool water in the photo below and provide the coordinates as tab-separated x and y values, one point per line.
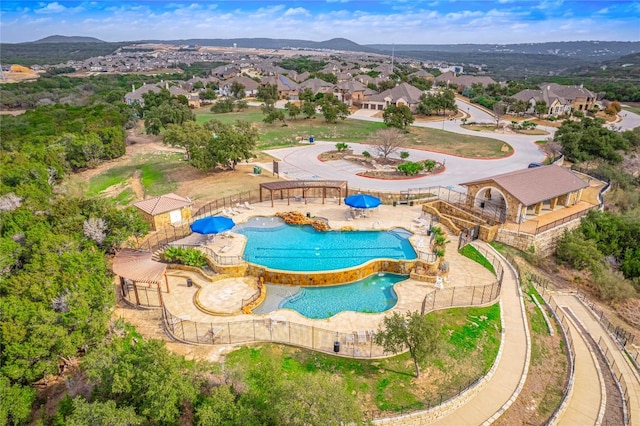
372	294
276	245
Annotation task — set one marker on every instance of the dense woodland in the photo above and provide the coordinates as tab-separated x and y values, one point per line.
56	288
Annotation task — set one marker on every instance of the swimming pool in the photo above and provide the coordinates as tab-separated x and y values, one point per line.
372	294
276	245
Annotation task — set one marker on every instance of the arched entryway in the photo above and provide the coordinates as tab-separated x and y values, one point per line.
492	202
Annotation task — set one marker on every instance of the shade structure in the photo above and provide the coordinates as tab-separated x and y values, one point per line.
138	266
212	225
362	201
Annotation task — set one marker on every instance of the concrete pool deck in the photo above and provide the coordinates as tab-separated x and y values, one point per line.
411	293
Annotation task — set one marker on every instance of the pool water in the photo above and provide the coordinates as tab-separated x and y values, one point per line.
372	294
276	245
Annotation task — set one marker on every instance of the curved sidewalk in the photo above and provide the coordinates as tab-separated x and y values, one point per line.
490	399
596	331
502	389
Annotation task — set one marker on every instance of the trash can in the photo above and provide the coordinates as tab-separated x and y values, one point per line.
482	204
411	203
395	203
257	170
336	346
189	282
311	139
309	214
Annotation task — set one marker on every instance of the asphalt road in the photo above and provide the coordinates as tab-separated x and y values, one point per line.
301	162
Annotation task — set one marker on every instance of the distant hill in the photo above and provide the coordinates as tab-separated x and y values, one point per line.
272	43
594	51
68	39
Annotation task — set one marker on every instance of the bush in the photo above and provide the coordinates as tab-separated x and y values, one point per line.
341	146
410	168
366	154
185	256
223	106
612	286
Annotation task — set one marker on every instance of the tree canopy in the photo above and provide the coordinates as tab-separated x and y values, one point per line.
587	139
414	332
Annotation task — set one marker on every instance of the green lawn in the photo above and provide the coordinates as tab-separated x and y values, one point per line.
634	109
153	176
359	131
469	335
472	253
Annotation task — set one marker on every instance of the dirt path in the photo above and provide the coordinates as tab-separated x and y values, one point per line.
136	184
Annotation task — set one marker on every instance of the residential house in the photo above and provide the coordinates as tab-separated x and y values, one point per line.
192	98
461	81
317	86
578	97
402	94
287	89
250	86
351	92
558	98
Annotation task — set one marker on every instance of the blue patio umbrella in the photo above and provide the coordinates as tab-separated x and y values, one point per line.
212	225
362	201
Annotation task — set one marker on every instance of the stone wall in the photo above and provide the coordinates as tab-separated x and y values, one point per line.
342	276
544	244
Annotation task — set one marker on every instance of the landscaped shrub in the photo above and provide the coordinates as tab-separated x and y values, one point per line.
185	256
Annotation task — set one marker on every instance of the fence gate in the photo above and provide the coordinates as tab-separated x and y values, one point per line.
468	235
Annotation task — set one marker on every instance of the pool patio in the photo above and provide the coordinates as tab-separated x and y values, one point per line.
213	301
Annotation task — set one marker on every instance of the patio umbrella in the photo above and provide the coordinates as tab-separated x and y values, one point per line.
362	201
212	225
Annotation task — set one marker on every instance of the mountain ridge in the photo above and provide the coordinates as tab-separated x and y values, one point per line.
68	39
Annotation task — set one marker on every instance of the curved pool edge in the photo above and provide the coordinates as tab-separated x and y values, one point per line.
331	277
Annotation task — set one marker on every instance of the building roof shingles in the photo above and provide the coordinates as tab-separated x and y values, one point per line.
531	186
162	204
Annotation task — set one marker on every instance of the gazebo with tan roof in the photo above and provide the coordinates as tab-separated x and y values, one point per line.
515	194
138	267
167	209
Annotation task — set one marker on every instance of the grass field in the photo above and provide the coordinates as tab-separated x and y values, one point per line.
469	335
114	181
472	253
359	131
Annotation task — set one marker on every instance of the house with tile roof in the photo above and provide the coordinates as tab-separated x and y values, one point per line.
402	94
165	210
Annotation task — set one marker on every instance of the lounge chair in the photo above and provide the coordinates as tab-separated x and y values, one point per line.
362	337
248	206
225	248
349	339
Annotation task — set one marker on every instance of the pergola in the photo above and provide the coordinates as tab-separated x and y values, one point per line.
138	267
342	187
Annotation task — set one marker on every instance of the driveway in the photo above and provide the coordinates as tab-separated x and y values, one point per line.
301	162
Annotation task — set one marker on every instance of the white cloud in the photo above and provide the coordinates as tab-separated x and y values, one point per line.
54	7
297	11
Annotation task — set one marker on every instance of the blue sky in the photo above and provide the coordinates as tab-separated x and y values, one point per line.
393	21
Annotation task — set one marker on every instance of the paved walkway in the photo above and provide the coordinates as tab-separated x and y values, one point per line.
500	389
586	400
